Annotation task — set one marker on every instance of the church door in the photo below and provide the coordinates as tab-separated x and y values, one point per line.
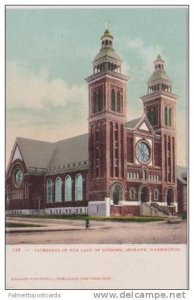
117	193
169	197
144	195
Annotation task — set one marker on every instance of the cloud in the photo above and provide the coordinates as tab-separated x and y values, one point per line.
135	44
37	100
147	54
25	89
40	108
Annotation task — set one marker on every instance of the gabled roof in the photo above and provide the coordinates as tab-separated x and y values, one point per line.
136	124
41	154
44	155
35	153
132	124
70	150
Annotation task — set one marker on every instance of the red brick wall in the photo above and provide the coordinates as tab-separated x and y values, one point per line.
125	210
157	153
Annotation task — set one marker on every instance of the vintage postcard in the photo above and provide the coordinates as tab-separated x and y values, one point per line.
96	147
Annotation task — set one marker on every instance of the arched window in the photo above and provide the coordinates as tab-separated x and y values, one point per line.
166	116
49	194
58	190
118	101
152	115
170	117
100	101
94	108
113	100
156	195
68	188
79	188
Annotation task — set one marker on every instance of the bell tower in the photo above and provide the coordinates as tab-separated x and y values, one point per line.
106	121
160	108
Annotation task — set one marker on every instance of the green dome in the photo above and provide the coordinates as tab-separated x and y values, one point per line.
107	33
107	51
157	75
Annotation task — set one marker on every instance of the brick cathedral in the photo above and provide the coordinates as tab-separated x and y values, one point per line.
119	167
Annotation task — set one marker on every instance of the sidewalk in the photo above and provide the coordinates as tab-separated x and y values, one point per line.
46	225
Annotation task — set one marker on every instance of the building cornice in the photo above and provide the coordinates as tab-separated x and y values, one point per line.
107	74
107	116
153	96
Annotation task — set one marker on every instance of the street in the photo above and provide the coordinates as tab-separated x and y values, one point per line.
100	232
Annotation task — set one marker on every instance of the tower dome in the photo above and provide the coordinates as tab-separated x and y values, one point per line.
159	80
107	59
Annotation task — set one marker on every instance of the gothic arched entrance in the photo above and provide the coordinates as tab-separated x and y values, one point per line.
169	196
144	194
117	193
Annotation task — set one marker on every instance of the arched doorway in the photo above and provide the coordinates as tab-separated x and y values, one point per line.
117	193
144	194
169	196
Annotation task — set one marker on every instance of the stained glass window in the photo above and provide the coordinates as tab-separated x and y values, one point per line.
79	188
68	188
58	190
49	190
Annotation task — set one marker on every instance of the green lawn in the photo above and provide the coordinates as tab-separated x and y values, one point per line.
85	217
11	225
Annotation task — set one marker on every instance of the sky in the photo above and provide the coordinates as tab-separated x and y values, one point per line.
49	53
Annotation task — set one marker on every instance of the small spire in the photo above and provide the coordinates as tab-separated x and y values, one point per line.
106	35
159	57
106	25
158	49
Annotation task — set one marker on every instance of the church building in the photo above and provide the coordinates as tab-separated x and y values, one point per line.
119	167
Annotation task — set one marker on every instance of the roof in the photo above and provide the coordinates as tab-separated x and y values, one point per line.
182	174
107	51
159	59
183	178
40	154
35	153
107	33
131	124
157	75
71	150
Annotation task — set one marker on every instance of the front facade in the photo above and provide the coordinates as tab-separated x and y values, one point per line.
120	167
